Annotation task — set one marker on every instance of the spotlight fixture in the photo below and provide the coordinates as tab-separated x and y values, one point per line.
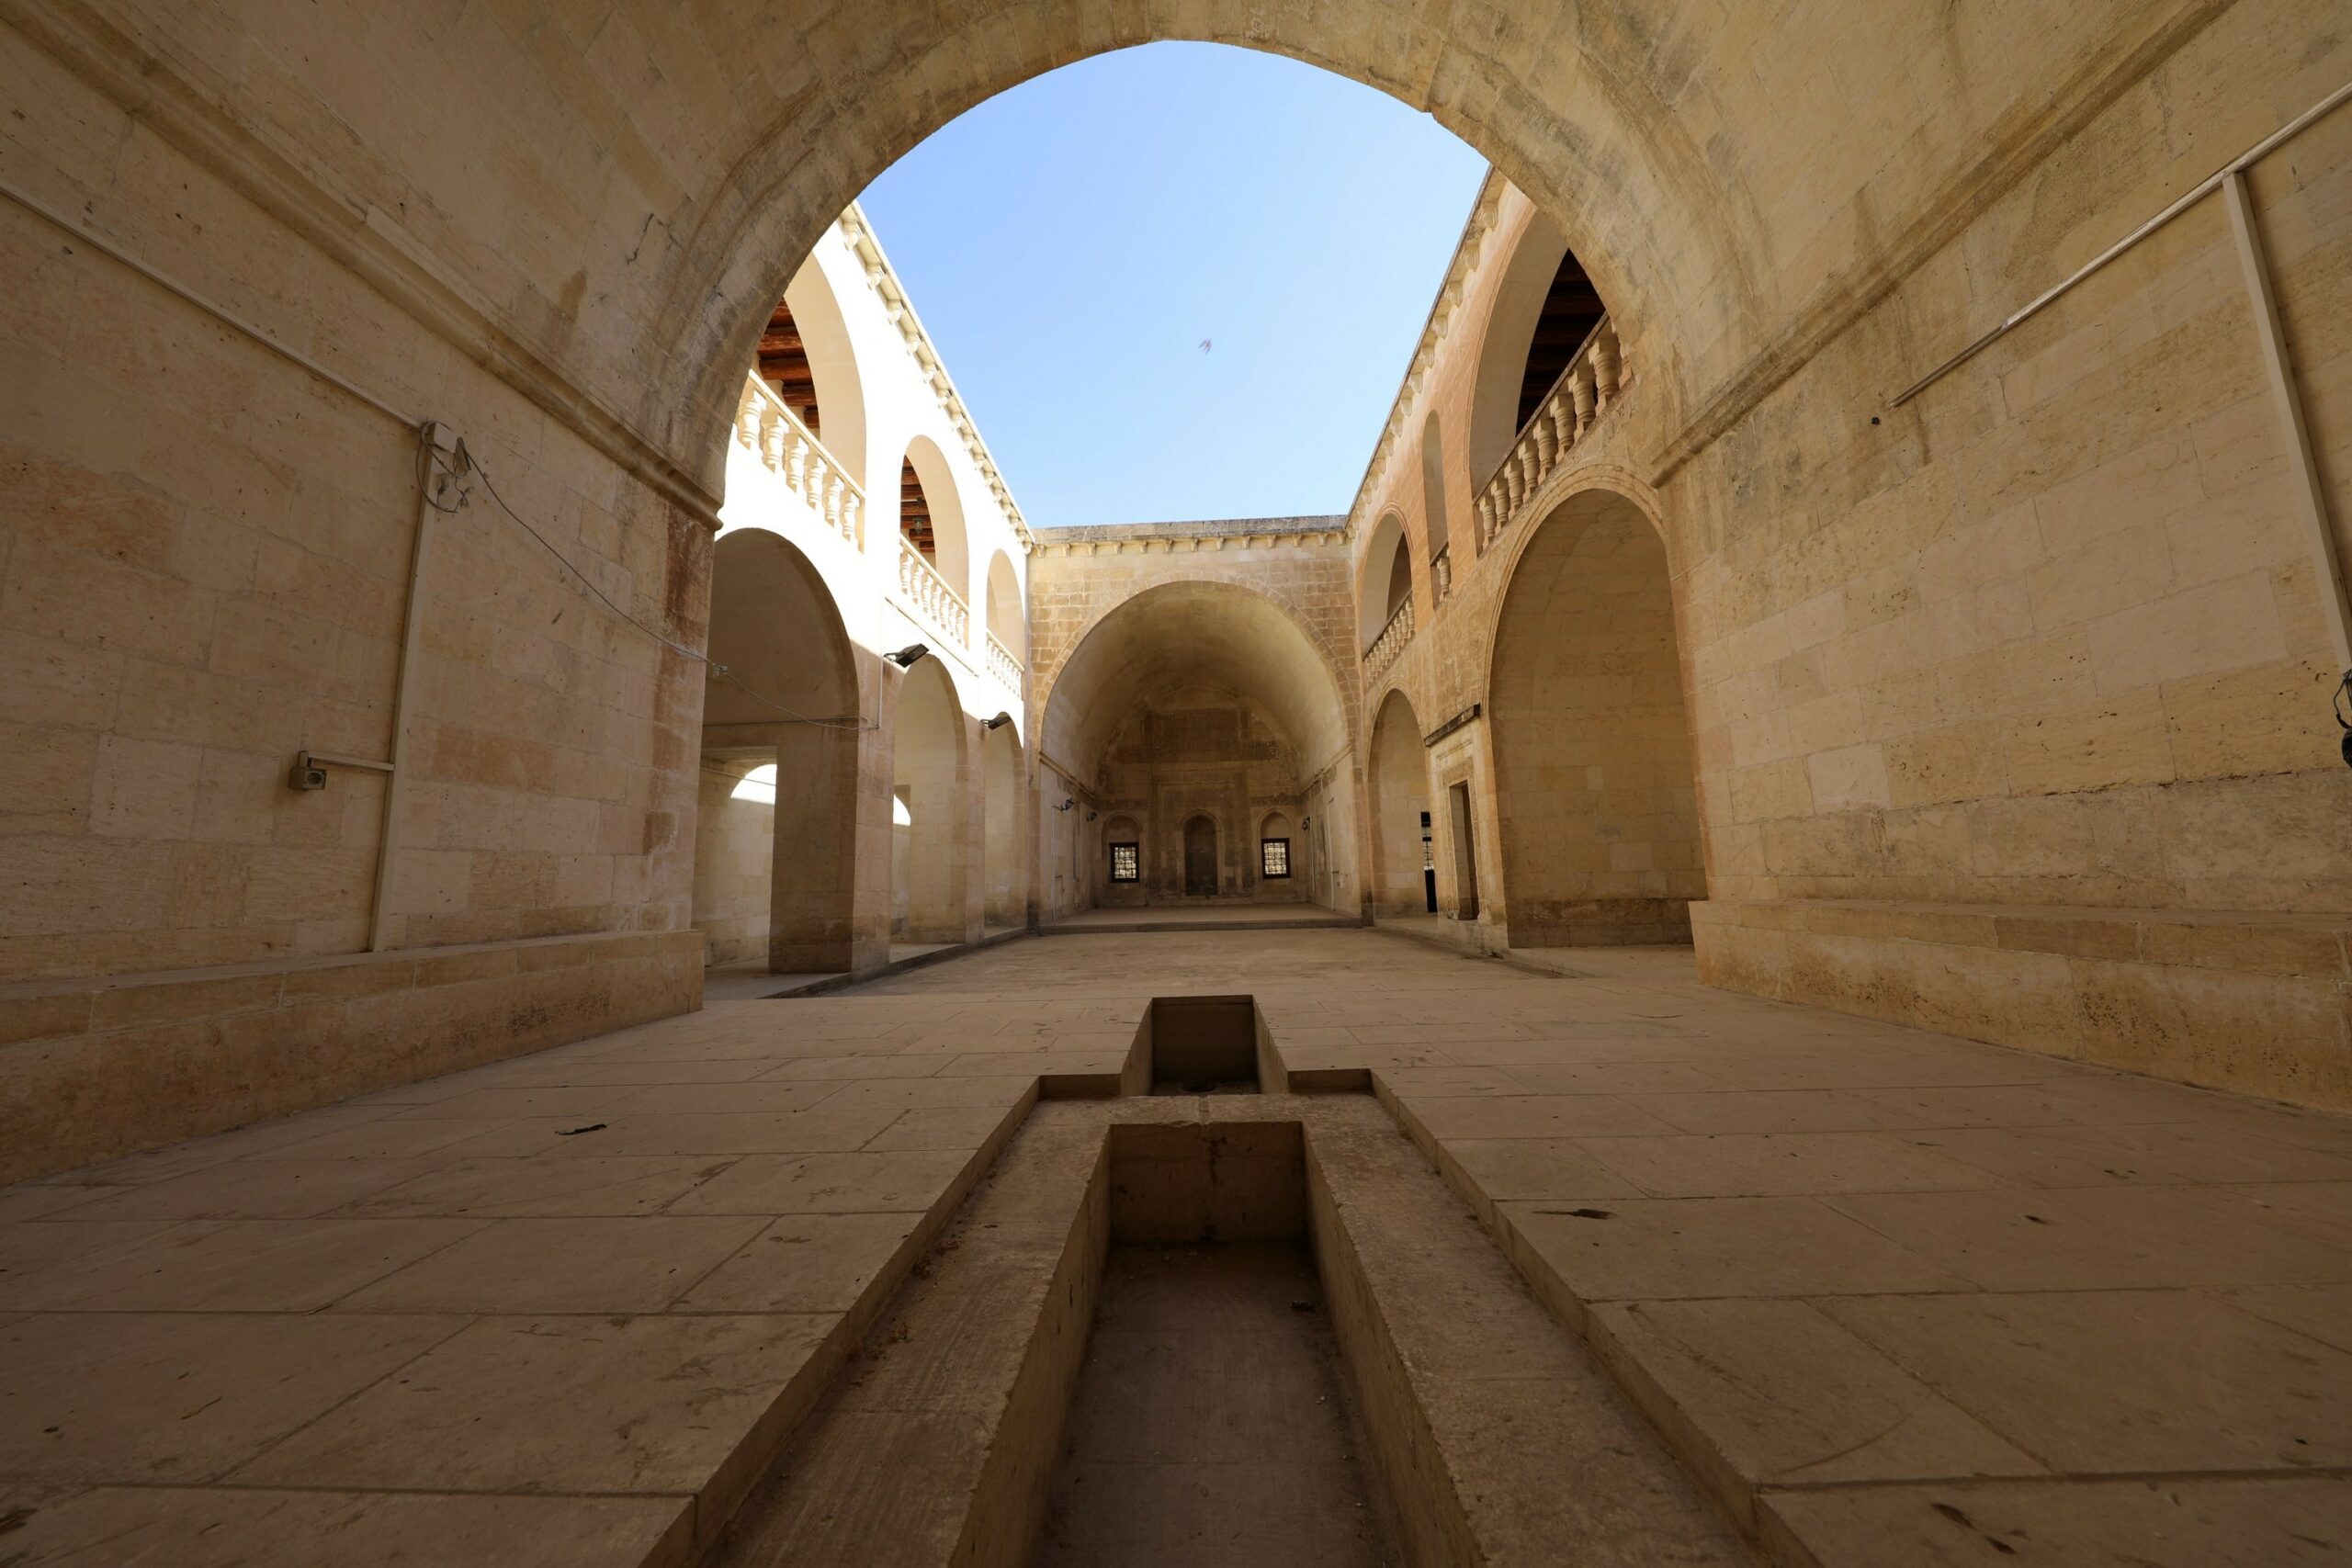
1065	805
1306	821
905	658
998	722
1093	815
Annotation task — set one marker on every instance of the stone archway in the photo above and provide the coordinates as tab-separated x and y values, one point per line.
1004	792
932	838
776	876
1400	782
1595	781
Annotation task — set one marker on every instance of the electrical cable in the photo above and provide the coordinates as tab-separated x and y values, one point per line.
426	451
719	672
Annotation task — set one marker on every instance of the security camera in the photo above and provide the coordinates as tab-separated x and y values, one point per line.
998	722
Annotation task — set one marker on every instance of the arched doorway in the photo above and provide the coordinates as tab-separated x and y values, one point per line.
1001	786
1200	858
1594	781
1403	881
774	862
932	838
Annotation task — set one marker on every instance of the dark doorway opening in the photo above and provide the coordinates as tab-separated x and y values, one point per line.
1465	856
1429	866
1200	858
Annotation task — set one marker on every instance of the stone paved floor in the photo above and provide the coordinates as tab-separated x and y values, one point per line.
1896	1297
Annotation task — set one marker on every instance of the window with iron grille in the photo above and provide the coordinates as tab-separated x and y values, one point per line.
1274	857
1127	863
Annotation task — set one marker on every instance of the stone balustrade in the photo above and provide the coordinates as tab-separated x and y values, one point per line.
1003	663
922	590
1389	643
1441	574
787	448
1581	395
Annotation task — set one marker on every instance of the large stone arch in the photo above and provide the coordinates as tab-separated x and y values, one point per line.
1276	629
1595	780
1567	105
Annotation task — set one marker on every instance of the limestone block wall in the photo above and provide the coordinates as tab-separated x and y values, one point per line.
2009	707
204	566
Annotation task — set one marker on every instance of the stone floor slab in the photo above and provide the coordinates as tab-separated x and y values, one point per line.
2123	1381
2182	1523
625	1405
184	1397
193	1528
607	1266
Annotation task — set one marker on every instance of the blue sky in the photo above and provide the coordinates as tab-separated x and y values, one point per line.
1073	242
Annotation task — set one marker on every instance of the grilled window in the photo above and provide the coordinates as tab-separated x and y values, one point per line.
1273	857
1127	863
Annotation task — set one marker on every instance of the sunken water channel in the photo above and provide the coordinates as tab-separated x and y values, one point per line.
1213	1421
1207	1321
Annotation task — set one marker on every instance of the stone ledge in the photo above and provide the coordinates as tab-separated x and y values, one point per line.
96	1066
2259	1003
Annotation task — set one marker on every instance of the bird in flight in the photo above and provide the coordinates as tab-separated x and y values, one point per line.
1204	345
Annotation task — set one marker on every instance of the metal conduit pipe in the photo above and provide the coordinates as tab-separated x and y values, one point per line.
440	488
2310	495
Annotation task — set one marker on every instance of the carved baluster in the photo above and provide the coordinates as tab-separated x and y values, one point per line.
1583	390
1544	438
793	458
1604	367
747	418
852	513
772	427
1560	410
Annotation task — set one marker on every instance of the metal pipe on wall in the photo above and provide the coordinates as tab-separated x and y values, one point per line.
2310	495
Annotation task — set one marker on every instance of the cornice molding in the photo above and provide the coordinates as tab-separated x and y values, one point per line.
856	231
1466	252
